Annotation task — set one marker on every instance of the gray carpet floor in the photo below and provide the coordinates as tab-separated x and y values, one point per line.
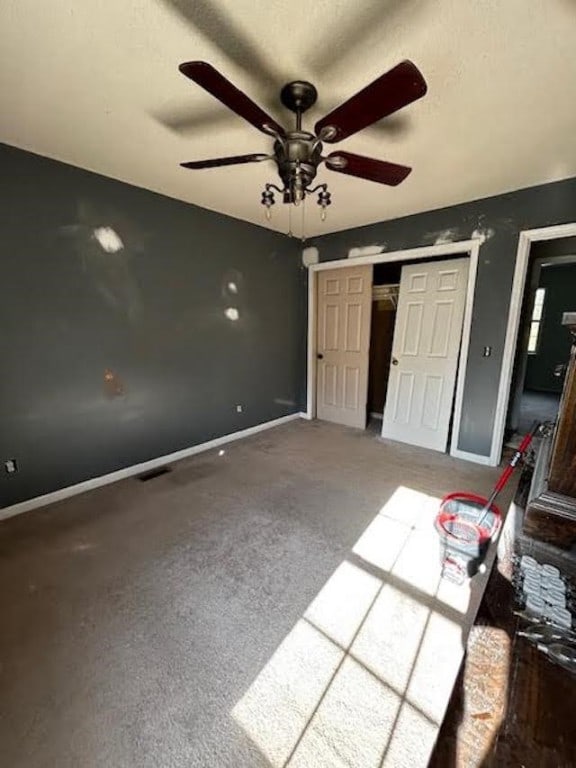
136	617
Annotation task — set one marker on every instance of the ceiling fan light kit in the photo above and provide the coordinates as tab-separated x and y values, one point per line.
298	153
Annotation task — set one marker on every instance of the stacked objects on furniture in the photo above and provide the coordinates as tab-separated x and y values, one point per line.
545	596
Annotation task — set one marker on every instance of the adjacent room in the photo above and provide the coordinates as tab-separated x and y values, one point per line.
288	391
542	354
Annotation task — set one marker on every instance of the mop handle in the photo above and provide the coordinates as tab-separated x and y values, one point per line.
505	476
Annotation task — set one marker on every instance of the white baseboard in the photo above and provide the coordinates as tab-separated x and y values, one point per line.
477	458
377	415
138	469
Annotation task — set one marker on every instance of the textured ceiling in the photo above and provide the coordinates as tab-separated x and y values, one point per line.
97	85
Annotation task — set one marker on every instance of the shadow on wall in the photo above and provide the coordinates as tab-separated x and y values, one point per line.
106	246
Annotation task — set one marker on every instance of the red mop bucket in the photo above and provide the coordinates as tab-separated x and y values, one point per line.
467	523
464	537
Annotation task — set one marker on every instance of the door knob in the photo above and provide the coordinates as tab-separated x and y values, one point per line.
320	356
560	370
394	361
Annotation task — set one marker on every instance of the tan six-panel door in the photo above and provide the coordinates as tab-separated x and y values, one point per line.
343	339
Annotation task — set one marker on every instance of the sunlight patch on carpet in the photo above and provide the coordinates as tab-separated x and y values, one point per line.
364	677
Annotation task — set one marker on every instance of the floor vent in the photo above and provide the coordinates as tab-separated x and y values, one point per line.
154	473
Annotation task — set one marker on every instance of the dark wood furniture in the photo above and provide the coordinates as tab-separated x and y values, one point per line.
511	706
563	463
551	510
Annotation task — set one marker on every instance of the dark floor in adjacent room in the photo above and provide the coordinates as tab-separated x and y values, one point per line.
135	617
537	406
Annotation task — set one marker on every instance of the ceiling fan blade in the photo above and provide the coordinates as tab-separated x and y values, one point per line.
218	162
367	168
222	89
390	92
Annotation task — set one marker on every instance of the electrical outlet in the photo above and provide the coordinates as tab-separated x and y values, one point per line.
238	409
10	466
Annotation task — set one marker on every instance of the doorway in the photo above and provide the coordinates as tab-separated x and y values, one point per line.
543	348
418	391
506	391
385	290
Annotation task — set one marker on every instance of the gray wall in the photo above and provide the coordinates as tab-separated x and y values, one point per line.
554	340
151	313
500	219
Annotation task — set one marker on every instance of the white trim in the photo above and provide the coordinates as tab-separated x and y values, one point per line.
463	359
444	249
311	361
138	469
376	415
470	247
475	457
525	240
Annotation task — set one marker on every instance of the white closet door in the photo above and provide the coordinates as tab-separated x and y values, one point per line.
425	352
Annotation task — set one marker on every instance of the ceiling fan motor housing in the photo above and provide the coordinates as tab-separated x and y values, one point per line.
297	156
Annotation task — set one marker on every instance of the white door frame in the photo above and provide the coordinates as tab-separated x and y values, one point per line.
462	248
527	237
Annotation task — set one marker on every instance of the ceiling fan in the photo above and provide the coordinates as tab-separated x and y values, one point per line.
298	153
